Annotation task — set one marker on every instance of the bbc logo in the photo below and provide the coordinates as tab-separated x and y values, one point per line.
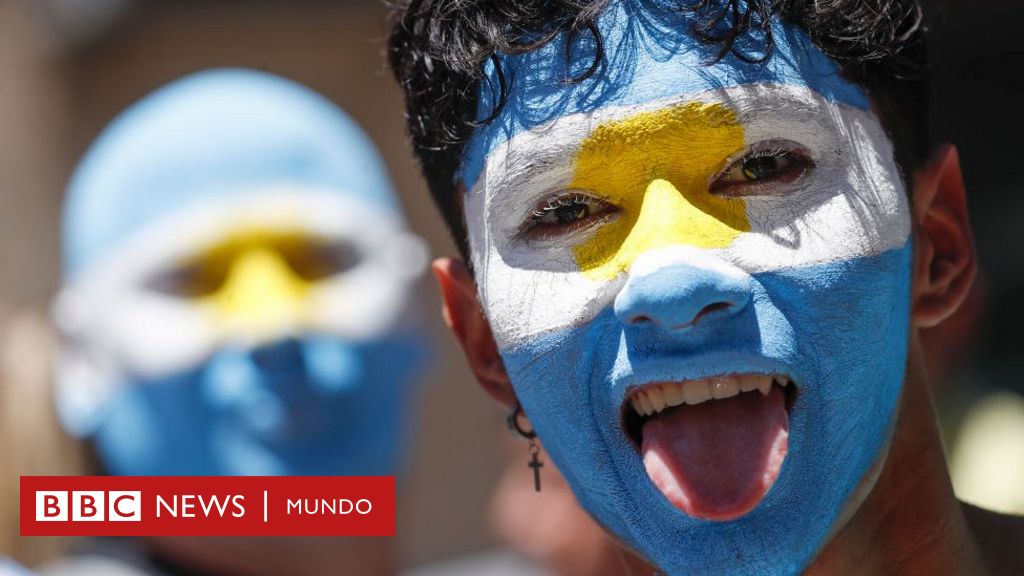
88	506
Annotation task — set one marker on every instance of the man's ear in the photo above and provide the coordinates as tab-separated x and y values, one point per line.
944	259
464	315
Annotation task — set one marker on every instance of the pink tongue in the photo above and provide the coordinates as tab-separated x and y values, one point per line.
718	459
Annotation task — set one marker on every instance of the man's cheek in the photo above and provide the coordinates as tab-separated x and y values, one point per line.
523	304
849	331
561	380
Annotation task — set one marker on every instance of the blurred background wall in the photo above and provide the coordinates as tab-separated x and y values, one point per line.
68	66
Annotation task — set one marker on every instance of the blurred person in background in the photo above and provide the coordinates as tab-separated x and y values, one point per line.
238	299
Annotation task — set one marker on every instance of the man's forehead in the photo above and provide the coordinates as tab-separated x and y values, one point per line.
649	54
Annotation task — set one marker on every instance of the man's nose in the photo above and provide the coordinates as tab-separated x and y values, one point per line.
680	296
262	297
233	381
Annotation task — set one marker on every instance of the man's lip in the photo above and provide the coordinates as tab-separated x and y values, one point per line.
668	367
656	397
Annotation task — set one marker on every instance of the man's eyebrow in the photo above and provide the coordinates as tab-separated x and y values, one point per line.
768	101
528	165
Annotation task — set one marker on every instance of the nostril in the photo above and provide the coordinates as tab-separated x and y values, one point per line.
705	312
708	310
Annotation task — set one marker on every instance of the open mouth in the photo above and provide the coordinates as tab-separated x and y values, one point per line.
715	446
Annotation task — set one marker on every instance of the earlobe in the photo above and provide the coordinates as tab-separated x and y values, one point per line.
464	316
944	258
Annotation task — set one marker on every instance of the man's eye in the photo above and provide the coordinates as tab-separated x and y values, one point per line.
317	260
760	170
194	279
565	213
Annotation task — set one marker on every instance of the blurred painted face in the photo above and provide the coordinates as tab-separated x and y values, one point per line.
698	278
254	335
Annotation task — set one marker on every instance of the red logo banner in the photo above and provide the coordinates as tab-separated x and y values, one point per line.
207	506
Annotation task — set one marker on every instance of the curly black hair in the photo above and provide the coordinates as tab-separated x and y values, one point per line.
438	48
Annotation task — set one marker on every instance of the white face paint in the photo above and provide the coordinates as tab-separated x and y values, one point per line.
849	204
119	325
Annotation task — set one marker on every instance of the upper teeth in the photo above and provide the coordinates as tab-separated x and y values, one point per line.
654	399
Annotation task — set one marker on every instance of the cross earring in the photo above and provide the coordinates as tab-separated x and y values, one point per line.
535	462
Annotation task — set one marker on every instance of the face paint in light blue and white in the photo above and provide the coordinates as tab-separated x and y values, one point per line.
698	277
239	284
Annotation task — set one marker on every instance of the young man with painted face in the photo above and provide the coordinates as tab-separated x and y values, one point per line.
238	300
700	239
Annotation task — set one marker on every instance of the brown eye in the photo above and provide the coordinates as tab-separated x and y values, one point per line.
193	279
566	213
315	259
762	172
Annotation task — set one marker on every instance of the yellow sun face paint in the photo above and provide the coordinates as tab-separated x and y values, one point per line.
261	293
254	281
656	166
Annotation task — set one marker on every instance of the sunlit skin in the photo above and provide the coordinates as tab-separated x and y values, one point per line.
910	522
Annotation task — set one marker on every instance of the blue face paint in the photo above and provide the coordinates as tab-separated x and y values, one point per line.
807	276
648	57
238	285
847	360
312	406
